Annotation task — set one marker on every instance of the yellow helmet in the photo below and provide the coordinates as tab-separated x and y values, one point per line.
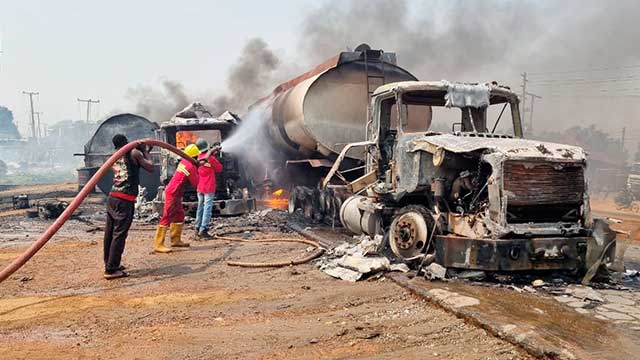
192	150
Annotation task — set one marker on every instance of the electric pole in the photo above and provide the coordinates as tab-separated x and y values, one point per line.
524	94
33	113
40	129
533	97
89	102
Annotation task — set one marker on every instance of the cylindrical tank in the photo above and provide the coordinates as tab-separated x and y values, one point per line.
321	111
100	147
357	220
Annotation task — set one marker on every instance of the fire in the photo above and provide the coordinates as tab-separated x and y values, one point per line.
277	200
184	138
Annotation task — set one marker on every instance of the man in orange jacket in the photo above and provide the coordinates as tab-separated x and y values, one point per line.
173	214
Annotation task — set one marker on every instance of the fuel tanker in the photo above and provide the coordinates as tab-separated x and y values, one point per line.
310	118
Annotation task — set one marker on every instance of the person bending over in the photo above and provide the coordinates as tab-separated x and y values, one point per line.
173	214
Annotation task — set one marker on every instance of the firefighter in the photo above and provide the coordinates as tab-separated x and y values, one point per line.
173	214
209	167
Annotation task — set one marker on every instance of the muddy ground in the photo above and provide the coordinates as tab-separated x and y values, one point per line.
191	305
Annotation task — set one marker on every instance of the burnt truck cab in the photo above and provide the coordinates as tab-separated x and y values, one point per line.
465	189
232	196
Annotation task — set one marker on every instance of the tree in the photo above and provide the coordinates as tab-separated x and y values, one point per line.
8	129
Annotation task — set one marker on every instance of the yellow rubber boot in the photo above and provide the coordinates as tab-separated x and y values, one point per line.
175	232
158	242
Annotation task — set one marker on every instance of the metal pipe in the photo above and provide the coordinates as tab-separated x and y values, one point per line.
38	244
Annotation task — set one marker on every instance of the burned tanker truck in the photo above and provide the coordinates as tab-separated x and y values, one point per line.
460	187
440	169
313	116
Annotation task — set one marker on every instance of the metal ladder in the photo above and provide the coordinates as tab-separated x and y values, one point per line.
369	75
373	57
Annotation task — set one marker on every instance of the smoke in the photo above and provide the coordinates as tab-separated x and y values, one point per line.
159	105
249	79
457	39
555	42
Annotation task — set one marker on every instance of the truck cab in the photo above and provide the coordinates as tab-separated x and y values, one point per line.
232	196
633	180
464	188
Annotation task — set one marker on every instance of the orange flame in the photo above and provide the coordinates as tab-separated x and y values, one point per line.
184	138
277	200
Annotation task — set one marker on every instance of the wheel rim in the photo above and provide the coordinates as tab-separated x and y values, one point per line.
408	235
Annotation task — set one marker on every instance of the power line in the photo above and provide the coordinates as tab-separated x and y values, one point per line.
585	80
585	70
89	102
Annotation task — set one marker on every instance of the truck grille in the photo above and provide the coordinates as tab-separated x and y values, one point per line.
543	192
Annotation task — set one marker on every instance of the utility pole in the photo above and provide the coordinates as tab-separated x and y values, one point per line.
33	117
89	102
524	94
38	131
624	130
533	97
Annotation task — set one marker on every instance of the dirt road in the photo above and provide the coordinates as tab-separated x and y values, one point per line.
191	305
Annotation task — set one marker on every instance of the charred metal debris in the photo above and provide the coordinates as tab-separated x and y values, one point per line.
472	199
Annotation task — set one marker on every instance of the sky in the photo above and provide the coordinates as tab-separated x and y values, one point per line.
70	49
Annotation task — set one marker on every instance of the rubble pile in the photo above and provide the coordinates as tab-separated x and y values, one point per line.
352	262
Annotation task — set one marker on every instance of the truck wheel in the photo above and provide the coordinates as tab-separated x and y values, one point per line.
409	231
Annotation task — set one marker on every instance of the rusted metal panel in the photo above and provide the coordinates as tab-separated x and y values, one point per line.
530	183
510	254
506	147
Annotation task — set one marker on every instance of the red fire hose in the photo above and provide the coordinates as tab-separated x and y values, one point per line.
38	244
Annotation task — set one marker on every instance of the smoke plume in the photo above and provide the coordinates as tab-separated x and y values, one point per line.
250	78
556	43
159	105
499	40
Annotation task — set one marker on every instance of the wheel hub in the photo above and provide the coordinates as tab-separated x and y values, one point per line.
408	234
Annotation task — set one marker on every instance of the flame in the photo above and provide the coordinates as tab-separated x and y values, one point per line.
184	138
277	200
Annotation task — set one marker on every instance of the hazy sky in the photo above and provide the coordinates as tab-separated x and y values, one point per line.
67	49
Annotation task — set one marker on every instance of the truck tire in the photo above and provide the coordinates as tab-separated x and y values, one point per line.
409	232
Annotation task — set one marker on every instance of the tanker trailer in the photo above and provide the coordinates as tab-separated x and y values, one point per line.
310	118
99	148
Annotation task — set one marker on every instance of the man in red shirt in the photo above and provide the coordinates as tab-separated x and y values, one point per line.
173	214
209	167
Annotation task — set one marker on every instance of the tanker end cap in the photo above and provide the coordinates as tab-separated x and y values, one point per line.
362	47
